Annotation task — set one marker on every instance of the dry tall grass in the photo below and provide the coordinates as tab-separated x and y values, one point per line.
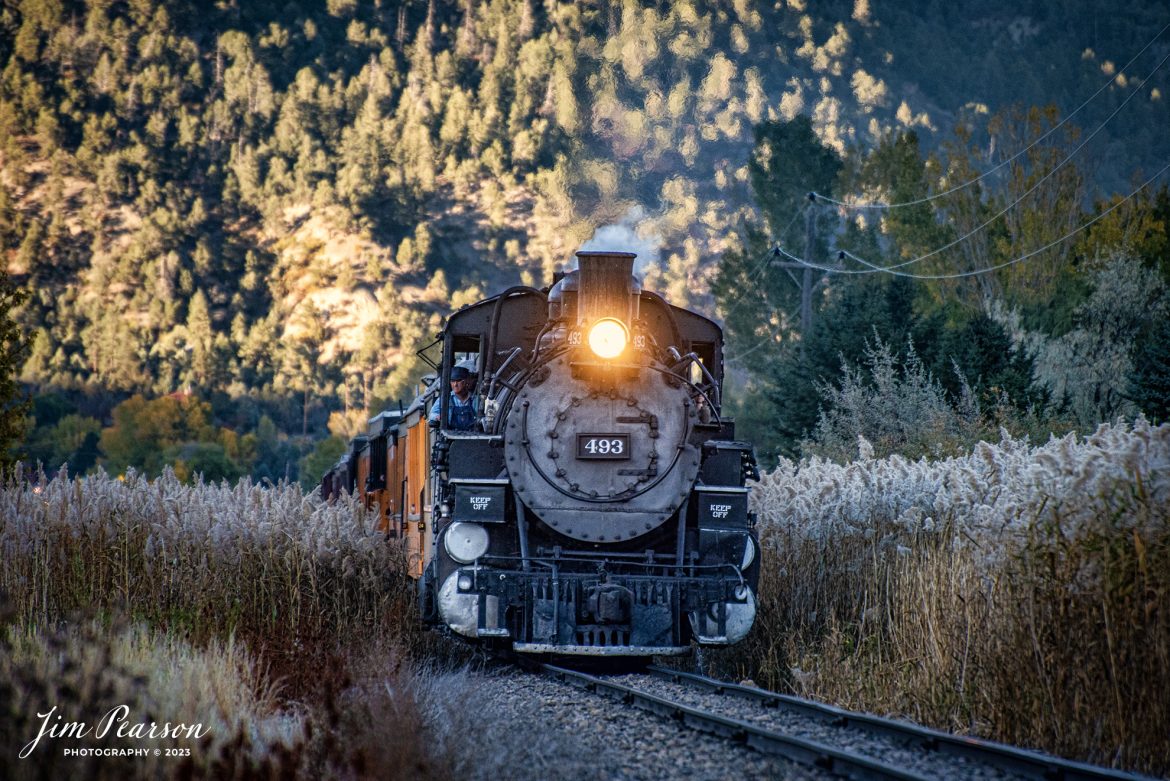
1020	593
86	670
271	565
283	624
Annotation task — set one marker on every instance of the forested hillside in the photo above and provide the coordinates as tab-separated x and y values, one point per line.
266	207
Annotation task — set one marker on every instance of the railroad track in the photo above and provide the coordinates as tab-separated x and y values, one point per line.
856	756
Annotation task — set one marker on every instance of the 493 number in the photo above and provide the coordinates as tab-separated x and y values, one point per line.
605	447
616	446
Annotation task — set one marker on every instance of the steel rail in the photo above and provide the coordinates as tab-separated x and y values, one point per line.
805	752
1009	758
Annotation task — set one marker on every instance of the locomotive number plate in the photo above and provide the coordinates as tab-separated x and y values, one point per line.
603	446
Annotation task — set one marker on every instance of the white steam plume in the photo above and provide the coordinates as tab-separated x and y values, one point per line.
633	233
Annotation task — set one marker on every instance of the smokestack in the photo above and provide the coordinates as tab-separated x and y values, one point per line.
607	286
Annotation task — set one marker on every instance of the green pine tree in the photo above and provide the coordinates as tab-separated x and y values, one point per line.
14	345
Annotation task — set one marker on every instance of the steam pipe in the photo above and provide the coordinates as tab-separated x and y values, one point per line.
496	374
675	330
694	358
493	326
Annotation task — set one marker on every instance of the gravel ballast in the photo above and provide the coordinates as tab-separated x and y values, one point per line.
886	750
541	728
553	730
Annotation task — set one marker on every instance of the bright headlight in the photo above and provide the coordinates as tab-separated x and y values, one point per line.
608	338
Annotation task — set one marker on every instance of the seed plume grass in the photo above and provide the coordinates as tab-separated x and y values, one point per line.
273	618
1018	592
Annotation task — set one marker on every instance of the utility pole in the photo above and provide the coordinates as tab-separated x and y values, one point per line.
806	278
810	243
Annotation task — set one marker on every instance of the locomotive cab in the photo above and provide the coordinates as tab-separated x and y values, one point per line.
598	505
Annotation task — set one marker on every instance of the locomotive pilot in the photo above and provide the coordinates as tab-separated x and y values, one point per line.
461	407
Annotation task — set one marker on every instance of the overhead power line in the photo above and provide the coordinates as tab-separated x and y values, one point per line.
741	355
1022	196
763	264
805	282
1025	150
874	269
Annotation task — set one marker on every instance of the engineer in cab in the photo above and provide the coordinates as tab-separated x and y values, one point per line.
461	406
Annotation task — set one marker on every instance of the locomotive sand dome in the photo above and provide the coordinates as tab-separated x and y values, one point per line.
601	452
588	497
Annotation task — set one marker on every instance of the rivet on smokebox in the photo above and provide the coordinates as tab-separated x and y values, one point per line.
553	435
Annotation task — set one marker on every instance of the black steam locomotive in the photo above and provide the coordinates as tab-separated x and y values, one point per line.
597	505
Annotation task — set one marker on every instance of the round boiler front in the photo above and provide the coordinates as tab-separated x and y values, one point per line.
601	464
